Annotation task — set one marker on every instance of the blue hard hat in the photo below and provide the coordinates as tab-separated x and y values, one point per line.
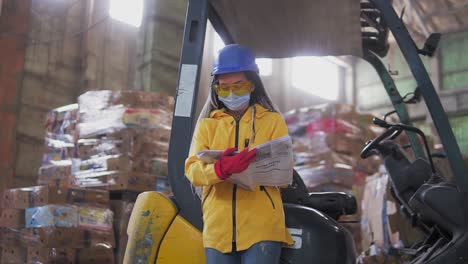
234	58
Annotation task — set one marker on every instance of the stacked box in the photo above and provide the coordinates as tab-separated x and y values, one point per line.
110	144
51	255
122	140
41	195
49	224
13	255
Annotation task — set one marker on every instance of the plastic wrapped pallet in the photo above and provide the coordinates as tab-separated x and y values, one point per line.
59	147
122	140
61	122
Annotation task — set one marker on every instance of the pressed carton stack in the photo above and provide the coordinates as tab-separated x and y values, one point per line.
327	142
48	224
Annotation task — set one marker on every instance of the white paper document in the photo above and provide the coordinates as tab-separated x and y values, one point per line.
273	165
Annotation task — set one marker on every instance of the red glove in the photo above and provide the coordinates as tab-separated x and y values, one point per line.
229	164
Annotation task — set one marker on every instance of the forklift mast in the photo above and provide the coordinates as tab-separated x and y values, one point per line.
378	14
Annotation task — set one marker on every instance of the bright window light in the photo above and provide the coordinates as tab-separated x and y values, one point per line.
317	76
217	44
127	11
265	66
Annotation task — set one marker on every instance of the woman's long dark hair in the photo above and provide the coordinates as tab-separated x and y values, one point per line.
258	96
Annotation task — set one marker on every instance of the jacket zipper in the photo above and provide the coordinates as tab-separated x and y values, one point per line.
269	197
206	196
234	193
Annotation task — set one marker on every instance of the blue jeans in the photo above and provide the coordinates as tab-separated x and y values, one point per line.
264	252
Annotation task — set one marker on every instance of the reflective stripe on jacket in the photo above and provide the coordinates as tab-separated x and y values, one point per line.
259	215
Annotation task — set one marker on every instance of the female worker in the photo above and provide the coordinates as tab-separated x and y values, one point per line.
240	226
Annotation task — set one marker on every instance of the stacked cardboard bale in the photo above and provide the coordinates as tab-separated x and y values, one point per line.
48	224
327	141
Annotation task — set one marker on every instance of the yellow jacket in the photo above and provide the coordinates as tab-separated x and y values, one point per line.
232	214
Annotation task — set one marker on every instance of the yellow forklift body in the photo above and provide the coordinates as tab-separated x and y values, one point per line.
182	244
154	218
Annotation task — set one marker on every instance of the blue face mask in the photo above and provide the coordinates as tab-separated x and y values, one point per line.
235	102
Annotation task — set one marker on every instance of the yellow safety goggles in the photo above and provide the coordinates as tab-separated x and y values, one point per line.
239	88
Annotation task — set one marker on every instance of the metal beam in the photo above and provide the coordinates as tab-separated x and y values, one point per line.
395	98
429	94
186	98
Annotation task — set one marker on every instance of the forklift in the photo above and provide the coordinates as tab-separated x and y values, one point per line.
168	229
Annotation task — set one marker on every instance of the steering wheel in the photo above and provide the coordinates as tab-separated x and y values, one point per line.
374	145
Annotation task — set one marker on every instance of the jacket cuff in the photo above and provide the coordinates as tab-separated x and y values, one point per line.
219	171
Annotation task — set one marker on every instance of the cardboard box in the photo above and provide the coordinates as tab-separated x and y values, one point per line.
51	255
69	216
13	255
54	237
104	163
131	182
13	218
67	238
58	171
52	216
142	99
95	255
95	218
34	196
11	237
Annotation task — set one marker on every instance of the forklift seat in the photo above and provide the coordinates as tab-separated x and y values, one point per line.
334	204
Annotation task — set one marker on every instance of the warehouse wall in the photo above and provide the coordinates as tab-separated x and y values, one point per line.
13	29
159	45
61	49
